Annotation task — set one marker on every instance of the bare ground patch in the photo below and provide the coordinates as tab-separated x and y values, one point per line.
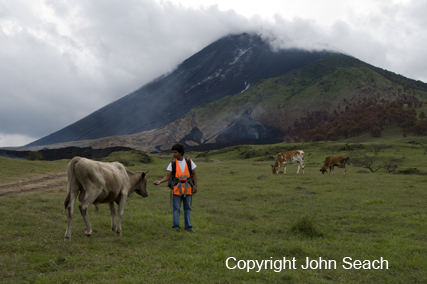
46	183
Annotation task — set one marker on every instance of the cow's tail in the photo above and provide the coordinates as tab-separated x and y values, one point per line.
71	177
67	200
309	154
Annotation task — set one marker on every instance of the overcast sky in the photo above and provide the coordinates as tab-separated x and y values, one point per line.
61	60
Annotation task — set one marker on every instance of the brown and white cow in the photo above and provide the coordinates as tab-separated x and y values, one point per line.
332	161
284	158
97	182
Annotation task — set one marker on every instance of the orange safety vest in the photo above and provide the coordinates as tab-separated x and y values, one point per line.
183	175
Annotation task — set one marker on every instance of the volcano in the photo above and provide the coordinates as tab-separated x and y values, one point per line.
226	67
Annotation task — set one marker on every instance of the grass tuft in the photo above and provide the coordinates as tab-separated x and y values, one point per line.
306	226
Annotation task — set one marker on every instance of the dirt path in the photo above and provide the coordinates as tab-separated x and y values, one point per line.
46	183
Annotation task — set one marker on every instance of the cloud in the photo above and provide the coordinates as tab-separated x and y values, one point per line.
14	140
391	36
68	59
62	60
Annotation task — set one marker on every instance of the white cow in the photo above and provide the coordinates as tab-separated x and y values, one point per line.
284	158
97	182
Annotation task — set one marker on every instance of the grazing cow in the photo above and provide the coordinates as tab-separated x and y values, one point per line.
292	157
333	161
98	182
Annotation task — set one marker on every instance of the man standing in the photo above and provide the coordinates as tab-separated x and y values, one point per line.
183	182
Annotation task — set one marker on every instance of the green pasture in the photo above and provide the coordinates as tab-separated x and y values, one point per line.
242	212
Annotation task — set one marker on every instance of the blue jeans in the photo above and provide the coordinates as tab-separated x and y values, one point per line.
186	201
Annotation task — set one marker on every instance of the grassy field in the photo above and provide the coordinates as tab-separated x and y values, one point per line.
237	217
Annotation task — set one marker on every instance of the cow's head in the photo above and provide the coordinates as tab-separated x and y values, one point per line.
323	170
275	169
141	188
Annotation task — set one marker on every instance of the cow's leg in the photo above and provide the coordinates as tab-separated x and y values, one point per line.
83	210
113	215
70	211
330	169
90	196
73	190
301	166
345	169
284	169
122	204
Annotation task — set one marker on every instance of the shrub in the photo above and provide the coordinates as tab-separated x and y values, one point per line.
33	156
369	162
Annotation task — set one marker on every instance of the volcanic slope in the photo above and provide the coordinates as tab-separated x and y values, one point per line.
264	113
228	66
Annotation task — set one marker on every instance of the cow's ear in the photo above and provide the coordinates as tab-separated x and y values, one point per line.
144	174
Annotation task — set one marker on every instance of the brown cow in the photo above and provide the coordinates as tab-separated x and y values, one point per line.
292	157
98	182
333	161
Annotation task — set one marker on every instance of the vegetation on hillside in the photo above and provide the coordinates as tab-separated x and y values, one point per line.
369	117
330	87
